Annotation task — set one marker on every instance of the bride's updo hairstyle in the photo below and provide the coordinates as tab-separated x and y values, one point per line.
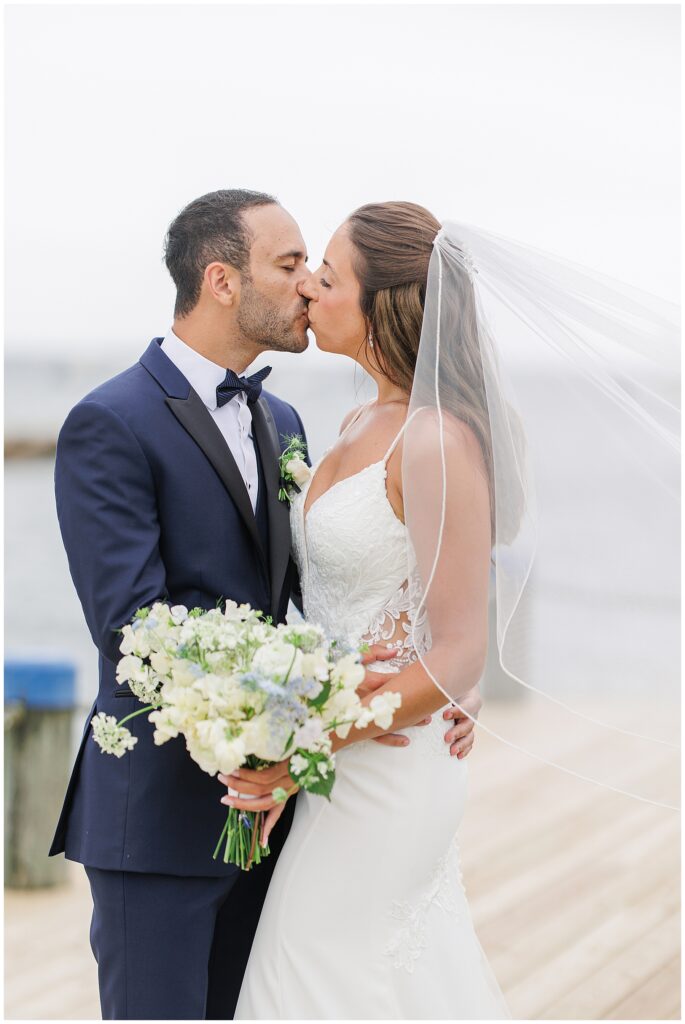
393	244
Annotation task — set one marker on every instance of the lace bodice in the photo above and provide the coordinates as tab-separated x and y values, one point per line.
357	569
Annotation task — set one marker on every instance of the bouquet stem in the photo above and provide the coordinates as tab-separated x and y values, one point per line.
240	839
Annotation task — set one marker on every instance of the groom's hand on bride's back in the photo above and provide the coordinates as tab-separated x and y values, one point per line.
460	736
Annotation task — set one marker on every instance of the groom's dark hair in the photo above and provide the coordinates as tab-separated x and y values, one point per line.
208	229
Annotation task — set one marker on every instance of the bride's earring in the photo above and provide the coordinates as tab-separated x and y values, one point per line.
370	338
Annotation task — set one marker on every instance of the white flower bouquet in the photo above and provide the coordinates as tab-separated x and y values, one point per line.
242	692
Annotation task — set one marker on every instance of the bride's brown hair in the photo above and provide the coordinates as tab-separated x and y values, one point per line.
393	244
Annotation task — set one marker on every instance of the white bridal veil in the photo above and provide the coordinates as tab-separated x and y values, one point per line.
569	381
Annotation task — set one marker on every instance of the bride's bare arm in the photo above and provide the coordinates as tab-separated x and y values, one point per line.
457	600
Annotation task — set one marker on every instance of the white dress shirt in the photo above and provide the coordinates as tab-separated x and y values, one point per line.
234	419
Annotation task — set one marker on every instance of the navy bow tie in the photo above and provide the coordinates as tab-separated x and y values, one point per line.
232	385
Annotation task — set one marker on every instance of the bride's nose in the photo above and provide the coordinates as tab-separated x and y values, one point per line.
307	288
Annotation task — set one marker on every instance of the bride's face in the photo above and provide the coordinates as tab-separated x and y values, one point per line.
333	291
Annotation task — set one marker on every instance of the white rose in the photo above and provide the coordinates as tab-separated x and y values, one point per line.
298	470
179	613
276	658
207	745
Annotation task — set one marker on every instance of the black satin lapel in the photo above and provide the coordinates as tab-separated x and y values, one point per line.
279	511
192	413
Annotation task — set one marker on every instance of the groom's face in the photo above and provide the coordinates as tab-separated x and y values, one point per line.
272	312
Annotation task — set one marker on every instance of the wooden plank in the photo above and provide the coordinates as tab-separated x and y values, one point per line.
524	838
549	978
600	990
661	990
578	906
605	882
505	892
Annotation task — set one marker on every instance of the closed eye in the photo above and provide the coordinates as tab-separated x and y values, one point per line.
324	283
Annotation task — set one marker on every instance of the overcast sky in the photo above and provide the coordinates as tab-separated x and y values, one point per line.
557	125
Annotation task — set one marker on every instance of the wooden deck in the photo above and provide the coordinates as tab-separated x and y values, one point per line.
580	916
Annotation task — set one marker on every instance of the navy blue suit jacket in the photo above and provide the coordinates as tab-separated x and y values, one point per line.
152	507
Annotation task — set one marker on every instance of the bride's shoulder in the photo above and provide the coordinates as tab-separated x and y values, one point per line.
432	431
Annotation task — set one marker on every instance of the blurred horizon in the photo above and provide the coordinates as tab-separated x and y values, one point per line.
556	125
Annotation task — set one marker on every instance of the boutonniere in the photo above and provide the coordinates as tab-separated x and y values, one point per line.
294	470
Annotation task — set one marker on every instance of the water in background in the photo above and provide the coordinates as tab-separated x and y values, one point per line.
42	609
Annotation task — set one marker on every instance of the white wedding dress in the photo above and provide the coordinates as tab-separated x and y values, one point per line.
366	915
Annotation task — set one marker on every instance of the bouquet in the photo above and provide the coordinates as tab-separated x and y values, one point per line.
242	692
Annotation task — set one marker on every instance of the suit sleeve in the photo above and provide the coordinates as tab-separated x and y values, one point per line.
107	511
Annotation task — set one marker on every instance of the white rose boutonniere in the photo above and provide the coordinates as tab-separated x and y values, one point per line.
294	470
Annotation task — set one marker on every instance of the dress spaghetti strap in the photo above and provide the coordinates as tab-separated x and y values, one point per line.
356	416
392	447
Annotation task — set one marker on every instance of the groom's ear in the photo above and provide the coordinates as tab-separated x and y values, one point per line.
223	283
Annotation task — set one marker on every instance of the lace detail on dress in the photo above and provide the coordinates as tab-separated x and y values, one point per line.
445	891
402	623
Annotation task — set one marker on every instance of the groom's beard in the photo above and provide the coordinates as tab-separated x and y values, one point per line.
264	323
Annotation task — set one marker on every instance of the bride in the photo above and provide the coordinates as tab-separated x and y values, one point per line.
366	915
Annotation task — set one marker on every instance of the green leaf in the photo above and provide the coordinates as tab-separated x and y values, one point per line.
319	786
318	702
289	741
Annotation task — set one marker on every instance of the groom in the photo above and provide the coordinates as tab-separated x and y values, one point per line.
166	481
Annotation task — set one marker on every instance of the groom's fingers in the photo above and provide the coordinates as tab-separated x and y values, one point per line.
396	739
392	739
458	731
372	681
377	652
462	747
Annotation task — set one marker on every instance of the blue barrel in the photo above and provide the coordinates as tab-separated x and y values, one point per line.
43	683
